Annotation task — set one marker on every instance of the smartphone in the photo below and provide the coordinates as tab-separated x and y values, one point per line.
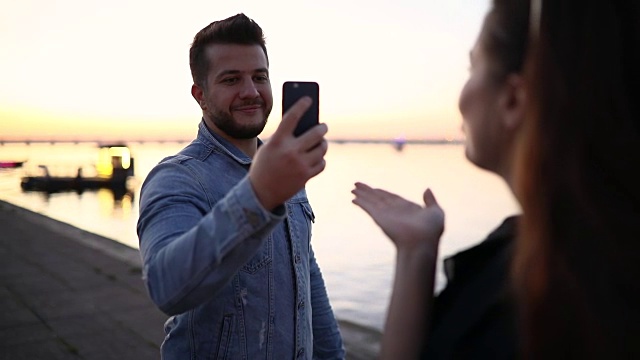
292	91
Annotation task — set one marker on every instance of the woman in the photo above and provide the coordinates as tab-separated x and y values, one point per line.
550	107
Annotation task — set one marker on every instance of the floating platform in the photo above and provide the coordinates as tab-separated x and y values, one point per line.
115	166
58	184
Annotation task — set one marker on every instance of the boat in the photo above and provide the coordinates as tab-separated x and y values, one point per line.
114	167
399	143
11	164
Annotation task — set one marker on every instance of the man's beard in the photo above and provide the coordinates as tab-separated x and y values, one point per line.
227	124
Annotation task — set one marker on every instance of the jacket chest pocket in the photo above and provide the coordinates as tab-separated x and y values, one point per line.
300	219
261	259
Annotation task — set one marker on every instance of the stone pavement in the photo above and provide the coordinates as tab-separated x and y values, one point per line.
69	294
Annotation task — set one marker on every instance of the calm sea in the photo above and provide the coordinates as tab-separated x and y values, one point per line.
356	258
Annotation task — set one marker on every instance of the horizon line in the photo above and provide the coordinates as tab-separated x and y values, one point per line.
162	140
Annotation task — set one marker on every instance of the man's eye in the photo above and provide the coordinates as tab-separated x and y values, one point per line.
229	80
262	78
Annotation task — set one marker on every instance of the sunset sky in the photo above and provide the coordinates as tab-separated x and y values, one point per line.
118	70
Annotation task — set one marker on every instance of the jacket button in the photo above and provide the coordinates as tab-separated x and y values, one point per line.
300	352
301	305
297	259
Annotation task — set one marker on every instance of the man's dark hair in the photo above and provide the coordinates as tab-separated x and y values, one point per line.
238	29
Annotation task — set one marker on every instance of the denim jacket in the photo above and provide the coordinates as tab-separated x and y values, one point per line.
211	258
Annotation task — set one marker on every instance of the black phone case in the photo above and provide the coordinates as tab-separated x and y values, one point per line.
292	91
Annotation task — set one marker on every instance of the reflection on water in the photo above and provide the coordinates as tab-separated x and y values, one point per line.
355	256
108	197
109	212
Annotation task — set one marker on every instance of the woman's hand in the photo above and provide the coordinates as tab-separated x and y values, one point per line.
409	225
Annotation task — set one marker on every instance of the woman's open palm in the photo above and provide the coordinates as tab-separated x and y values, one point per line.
406	223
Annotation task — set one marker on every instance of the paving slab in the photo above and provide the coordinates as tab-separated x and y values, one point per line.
66	293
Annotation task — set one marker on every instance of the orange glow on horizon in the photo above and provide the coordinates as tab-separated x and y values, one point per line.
39	125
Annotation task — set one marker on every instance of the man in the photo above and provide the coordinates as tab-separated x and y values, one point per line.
225	224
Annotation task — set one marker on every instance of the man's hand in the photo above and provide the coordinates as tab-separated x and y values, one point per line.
284	164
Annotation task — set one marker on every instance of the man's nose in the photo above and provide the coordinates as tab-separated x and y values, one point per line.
249	90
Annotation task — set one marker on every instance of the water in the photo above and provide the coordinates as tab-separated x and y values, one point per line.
356	258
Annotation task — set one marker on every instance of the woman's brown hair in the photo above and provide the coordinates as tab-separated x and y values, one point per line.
577	264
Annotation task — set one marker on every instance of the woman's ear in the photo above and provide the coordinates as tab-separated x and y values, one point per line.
513	102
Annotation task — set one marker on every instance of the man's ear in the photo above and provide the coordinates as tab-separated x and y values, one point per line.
513	101
198	94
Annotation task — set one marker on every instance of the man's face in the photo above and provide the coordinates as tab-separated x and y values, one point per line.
237	100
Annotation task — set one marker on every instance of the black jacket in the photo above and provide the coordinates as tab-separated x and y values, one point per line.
474	316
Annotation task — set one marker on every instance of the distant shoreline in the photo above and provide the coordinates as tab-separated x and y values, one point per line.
161	141
398	141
